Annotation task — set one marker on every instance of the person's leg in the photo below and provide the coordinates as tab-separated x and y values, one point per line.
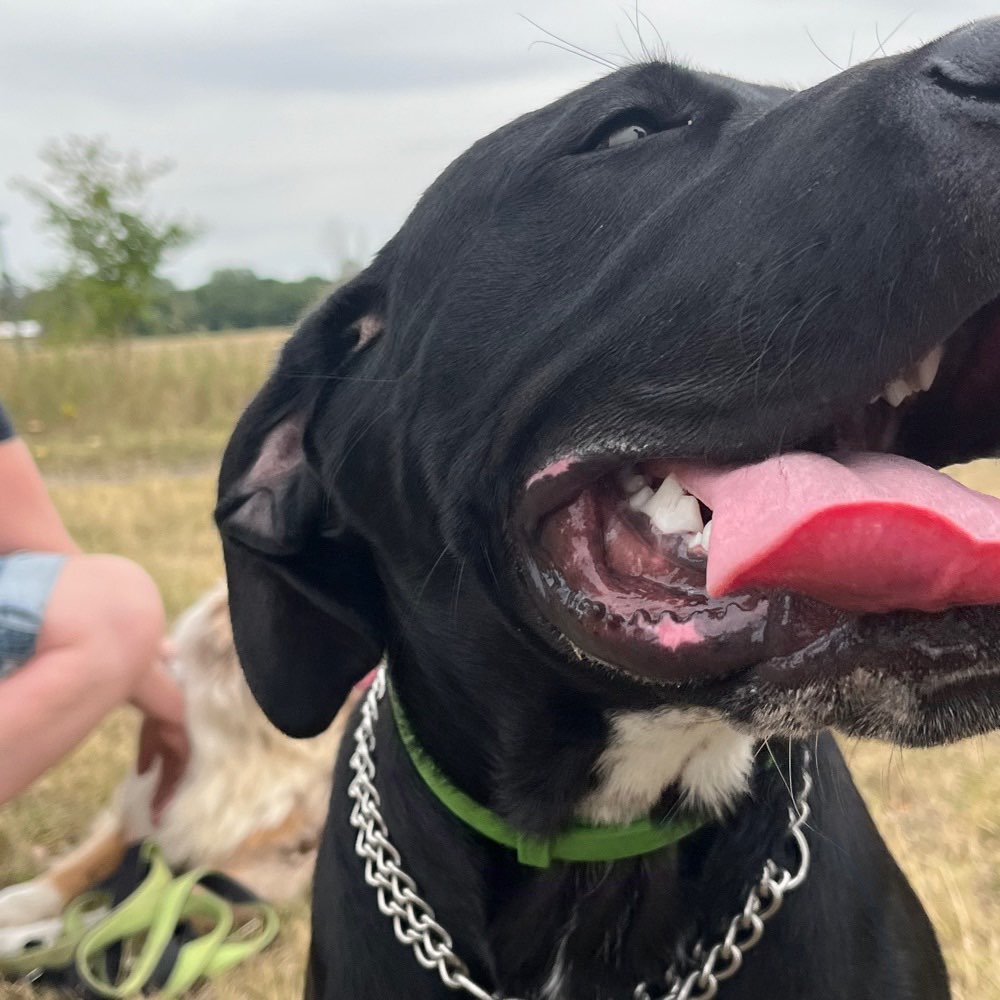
100	635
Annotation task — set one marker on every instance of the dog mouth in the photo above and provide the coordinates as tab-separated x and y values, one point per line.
849	543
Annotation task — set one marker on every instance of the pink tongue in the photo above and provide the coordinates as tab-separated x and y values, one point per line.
862	532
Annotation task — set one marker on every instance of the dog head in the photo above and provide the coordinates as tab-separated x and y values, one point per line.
667	297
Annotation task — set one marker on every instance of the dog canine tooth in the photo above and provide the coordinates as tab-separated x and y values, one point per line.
633	484
682	515
706	536
919	378
927	367
669	492
897	391
672	509
664	499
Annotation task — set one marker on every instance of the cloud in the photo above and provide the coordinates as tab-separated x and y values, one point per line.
284	117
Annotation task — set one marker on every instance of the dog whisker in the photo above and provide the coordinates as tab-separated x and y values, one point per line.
359	437
336	378
781	774
489	565
568	46
633	18
883	42
430	573
634	21
664	50
819	48
573	52
458	588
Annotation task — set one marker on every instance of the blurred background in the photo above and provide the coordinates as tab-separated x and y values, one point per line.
179	180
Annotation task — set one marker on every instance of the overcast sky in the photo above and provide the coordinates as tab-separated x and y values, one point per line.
304	129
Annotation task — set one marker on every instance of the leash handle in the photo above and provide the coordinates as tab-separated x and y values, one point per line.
152	908
172	962
145	899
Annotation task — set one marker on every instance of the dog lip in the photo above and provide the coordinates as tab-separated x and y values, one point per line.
557	483
562	479
933	655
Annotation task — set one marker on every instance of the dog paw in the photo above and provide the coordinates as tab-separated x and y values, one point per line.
28	902
41	933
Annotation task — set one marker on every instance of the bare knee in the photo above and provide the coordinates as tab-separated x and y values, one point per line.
132	611
109	607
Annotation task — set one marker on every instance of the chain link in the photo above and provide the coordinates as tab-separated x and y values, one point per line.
415	924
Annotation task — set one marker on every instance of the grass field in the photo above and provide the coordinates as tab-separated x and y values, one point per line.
146	405
130	439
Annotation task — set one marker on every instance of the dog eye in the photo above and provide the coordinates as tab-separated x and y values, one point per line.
628	127
621	136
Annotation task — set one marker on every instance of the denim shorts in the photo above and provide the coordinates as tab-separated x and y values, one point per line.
26	581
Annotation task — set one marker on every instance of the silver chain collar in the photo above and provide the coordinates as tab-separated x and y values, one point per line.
415	924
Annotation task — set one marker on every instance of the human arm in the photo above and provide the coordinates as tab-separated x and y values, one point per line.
29	522
28	518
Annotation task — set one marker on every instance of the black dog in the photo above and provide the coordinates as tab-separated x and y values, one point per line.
481	457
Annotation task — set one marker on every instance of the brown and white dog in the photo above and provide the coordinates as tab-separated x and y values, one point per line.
253	801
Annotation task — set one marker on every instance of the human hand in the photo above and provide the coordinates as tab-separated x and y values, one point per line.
166	741
163	736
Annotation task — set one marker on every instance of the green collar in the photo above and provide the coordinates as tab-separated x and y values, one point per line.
580	843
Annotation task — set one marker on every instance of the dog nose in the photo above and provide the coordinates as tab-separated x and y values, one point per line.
967	62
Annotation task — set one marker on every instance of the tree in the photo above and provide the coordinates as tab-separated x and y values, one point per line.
238	299
94	204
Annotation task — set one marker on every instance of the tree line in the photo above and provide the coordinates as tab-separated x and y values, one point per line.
232	299
95	204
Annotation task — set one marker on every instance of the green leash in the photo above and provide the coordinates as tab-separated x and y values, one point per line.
142	931
582	842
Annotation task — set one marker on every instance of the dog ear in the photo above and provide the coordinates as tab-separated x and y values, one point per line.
305	600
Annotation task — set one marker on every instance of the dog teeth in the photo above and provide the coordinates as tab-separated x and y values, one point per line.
919	378
928	366
633	484
897	391
672	510
639	499
683	516
701	541
670	490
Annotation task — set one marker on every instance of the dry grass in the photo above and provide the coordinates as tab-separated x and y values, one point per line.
145	404
939	809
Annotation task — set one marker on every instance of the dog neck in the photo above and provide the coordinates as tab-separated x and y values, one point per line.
694	753
584	842
544	756
556	933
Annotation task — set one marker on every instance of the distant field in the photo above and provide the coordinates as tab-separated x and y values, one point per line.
145	405
130	440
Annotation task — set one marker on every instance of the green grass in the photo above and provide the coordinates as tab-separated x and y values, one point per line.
130	439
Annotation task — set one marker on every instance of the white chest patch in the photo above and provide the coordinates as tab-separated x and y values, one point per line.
694	749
